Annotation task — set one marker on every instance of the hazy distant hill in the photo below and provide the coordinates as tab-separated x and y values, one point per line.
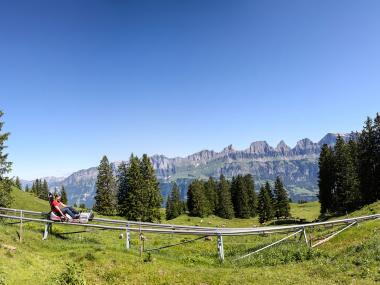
297	166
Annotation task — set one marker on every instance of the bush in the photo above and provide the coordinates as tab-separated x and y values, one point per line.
72	275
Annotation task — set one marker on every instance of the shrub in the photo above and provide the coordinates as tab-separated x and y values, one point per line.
72	275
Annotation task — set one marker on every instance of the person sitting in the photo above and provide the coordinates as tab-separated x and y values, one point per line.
61	209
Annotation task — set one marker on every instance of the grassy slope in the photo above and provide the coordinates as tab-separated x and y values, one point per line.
351	258
28	201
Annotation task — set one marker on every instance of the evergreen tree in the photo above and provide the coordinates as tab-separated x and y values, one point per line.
5	167
376	174
105	199
34	189
326	181
281	207
134	203
265	207
211	194
174	206
43	191
122	189
18	183
270	193
196	200
347	183
27	188
250	187
152	198
366	154
225	207
63	195
240	197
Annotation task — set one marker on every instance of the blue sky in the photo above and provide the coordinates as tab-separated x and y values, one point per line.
79	79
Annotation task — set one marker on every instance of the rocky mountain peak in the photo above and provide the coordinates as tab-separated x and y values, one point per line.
228	149
328	139
260	147
306	146
202	155
282	147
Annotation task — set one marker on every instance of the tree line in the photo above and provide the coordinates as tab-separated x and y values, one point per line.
40	189
229	199
349	172
133	192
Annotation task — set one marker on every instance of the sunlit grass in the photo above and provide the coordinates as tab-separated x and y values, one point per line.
352	255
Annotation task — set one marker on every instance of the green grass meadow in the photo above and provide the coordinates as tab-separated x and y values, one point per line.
100	257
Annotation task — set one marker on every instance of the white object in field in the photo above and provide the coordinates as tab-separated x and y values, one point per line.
84	217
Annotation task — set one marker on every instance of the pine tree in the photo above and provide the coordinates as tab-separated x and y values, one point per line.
225	207
366	154
211	194
134	203
105	199
250	187
43	190
196	199
326	181
27	188
34	189
122	188
347	183
281	207
63	195
265	207
174	207
152	198
376	182
38	187
240	197
18	183
6	198
270	193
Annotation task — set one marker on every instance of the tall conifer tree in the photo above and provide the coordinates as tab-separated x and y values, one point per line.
211	194
196	199
152	198
270	192
265	206
366	154
174	206
134	195
44	190
225	208
326	179
347	183
250	187
376	174
5	167
63	195
18	183
105	199
240	197
282	207
34	189
122	189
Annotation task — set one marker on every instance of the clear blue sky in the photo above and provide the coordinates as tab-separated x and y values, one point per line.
79	79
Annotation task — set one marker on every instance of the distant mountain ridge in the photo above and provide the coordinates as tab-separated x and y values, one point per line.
297	166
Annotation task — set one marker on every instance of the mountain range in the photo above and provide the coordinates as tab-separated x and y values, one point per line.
297	167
